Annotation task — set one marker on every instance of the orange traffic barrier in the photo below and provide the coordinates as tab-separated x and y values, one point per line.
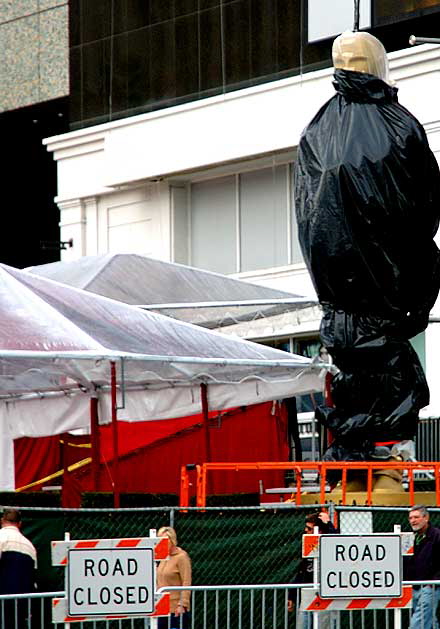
321	468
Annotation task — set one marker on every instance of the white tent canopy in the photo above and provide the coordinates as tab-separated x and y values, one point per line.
57	343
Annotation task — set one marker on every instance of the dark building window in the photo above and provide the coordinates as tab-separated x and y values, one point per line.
386	11
135	56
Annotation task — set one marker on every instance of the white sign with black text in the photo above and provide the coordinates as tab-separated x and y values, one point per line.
360	566
110	581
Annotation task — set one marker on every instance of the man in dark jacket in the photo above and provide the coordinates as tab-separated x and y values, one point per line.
18	561
424	565
304	574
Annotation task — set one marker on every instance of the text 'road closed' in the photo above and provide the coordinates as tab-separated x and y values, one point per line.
367	566
110	581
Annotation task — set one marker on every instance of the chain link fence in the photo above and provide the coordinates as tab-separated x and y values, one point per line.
355	520
227	545
231	545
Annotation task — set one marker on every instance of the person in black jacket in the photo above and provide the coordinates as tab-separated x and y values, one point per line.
304	573
424	565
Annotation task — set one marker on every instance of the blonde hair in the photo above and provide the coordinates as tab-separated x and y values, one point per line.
169	532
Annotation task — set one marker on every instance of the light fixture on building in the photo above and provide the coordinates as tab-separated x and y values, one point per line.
56	244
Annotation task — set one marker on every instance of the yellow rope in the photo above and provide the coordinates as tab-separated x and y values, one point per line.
70	468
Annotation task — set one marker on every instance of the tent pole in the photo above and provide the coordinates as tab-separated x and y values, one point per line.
94	434
205	411
65	467
116	496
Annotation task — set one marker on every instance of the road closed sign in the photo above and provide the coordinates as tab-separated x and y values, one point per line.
360	566
110	581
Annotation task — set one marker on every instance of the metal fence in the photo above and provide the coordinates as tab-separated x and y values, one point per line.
262	606
428	439
27	611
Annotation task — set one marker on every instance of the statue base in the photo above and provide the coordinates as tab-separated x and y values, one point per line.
379	497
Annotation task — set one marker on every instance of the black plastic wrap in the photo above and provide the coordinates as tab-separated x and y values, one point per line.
367	192
377	394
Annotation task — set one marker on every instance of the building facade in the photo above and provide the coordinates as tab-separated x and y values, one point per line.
34	75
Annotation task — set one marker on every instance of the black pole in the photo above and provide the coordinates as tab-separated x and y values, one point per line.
356	16
292	429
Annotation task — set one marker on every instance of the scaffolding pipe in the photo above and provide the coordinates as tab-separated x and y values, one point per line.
119	356
300	301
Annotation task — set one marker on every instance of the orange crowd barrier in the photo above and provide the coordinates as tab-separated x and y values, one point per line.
319	466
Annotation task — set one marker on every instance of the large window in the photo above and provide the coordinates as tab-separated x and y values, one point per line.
244	222
134	56
392	10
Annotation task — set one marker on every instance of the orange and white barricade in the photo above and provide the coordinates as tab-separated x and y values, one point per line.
317	599
312	602
109	579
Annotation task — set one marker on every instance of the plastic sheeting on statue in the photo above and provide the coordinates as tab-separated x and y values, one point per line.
367	189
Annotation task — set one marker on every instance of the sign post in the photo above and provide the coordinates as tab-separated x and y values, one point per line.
109	578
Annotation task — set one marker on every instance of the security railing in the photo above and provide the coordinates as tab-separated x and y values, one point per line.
323	470
260	606
253	606
26	611
266	606
428	439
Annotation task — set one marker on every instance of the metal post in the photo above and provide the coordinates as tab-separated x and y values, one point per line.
205	411
201	485
315	581
413	40
397	611
67	538
184	487
328	401
94	437
356	15
116	493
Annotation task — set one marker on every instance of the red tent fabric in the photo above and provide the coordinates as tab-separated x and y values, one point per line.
152	453
36	458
